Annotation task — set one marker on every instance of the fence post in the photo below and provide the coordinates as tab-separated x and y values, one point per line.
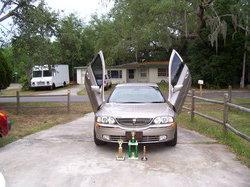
17	102
229	94
68	101
192	104
225	111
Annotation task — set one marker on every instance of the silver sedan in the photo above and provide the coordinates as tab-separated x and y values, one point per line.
137	107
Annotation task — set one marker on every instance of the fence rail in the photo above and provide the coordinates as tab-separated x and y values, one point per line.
18	105
226	106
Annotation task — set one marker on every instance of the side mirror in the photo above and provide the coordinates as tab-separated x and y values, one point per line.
177	88
96	89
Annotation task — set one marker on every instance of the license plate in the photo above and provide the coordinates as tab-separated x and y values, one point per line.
138	136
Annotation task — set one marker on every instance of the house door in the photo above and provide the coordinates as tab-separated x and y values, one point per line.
131	75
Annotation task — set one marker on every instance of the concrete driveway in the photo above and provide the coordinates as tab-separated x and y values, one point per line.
65	155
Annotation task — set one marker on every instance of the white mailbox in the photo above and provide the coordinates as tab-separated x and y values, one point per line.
200	82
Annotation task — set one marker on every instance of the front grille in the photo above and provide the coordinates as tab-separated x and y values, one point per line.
150	138
116	138
134	121
144	138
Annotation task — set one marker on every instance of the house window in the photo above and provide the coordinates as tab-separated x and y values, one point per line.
162	72
143	72
115	74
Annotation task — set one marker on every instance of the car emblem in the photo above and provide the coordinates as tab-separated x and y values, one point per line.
134	121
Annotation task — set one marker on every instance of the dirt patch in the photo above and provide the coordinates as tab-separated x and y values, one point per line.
31	120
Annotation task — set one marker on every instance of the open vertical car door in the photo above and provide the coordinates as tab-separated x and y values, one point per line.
179	81
94	81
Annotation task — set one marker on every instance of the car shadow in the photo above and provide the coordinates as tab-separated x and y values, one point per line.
150	147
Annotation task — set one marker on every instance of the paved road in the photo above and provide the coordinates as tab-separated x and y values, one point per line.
65	155
74	98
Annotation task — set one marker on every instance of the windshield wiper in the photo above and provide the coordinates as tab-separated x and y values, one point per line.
157	102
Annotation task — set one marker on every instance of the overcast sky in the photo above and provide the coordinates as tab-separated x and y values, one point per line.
83	8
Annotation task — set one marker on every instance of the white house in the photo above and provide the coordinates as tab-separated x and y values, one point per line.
155	71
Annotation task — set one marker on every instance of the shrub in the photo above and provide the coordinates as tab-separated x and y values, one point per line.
25	82
5	73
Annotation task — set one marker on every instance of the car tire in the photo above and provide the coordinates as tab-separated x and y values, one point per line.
173	142
64	84
97	141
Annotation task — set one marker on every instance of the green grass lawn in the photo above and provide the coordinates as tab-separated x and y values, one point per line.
239	120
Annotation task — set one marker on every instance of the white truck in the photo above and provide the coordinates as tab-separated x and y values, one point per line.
50	76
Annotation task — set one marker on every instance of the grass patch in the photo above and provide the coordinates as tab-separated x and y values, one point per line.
81	92
242	101
21	92
12	92
163	87
31	120
238	119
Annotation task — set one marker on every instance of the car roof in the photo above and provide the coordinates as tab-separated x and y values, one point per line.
136	84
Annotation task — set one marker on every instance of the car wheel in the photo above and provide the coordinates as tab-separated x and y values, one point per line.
174	141
64	84
97	141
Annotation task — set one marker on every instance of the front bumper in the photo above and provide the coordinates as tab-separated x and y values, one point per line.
40	86
151	133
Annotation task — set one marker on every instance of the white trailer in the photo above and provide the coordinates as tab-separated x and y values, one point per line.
51	76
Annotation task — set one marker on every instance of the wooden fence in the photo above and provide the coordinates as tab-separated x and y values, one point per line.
226	103
18	105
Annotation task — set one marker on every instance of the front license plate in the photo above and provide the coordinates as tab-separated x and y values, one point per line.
138	136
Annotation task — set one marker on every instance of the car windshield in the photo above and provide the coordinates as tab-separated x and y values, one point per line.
47	73
136	94
37	73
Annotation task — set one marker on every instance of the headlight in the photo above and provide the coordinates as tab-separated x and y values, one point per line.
163	120
105	120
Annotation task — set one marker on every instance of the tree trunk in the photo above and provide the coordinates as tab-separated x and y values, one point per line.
186	28
242	81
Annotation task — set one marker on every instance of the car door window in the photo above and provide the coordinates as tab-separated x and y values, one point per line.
93	78
176	69
96	67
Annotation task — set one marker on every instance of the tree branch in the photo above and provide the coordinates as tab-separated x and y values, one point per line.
9	14
5	4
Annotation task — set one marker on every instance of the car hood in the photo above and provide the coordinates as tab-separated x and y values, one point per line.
138	110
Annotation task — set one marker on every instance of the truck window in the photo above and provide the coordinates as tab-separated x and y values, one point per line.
37	73
47	73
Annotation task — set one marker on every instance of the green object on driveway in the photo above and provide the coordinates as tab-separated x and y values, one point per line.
133	148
